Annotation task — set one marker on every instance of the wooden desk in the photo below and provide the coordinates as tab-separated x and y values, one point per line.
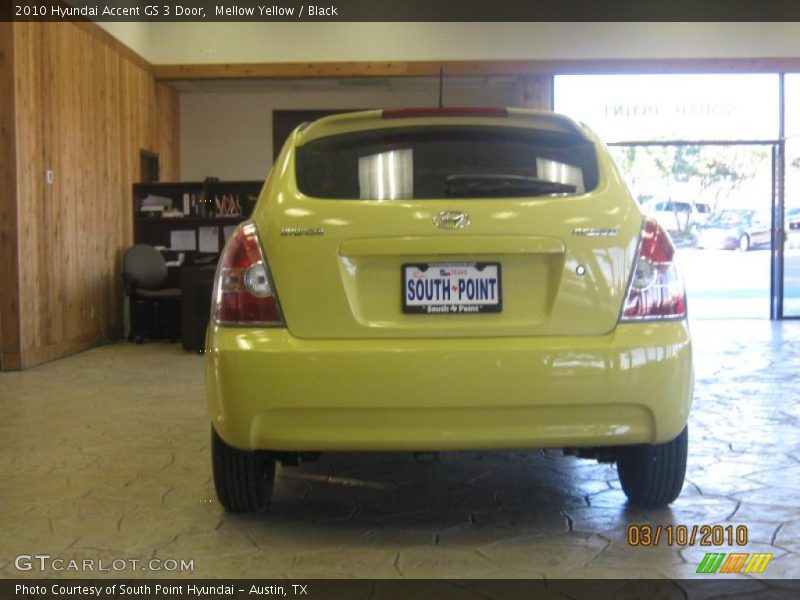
197	286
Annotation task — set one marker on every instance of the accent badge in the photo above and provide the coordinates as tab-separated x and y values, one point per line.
594	232
451	219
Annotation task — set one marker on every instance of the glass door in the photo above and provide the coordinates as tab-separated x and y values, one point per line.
716	201
716	157
788	263
791	227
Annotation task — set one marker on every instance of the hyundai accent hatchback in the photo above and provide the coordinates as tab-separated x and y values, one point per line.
447	279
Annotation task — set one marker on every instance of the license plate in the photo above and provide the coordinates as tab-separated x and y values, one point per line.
455	288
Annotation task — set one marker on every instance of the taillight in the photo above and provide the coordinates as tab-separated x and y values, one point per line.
243	291
656	289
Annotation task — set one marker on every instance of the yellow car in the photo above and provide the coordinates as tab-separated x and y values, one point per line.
447	279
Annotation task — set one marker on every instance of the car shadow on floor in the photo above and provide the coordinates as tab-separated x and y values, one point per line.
483	496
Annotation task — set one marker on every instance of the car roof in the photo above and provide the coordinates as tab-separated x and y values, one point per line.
381	119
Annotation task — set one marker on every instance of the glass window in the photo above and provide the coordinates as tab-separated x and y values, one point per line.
696	107
440	162
791	261
791	84
386	175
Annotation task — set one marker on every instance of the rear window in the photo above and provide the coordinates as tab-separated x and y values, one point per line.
442	162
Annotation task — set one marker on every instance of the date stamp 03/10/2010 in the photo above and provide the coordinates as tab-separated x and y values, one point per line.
709	536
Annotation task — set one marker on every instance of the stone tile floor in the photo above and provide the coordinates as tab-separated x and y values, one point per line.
105	455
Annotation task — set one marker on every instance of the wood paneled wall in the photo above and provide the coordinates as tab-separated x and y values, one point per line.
83	109
9	280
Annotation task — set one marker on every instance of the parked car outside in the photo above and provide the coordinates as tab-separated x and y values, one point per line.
792	226
733	229
701	213
447	279
678	217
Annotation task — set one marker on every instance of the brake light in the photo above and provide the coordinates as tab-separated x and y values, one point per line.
243	290
446	111
656	290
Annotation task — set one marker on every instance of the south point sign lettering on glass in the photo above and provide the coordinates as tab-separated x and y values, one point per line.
641	108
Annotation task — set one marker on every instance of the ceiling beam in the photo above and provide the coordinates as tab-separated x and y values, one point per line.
313	70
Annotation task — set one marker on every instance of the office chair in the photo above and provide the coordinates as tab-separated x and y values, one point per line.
154	308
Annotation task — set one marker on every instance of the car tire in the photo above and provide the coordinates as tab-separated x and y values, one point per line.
744	243
652	474
243	479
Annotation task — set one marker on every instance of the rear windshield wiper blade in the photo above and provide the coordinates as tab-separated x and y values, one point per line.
503	185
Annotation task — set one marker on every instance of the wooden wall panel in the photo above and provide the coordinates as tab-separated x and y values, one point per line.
9	279
469	68
31	155
85	110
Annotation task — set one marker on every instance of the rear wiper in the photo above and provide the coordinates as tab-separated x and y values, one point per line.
491	184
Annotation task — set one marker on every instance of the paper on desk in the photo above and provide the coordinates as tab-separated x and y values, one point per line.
227	231
181	256
156	202
182	239
209	239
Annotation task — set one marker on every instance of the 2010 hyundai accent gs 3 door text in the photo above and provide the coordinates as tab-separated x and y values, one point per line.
447	279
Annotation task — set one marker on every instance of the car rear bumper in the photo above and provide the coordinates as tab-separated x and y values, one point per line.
269	390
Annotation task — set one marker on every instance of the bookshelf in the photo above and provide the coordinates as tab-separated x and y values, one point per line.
203	213
199	217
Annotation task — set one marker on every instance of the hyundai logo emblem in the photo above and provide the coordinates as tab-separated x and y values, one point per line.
451	219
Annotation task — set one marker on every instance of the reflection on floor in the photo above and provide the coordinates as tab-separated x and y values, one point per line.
105	456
